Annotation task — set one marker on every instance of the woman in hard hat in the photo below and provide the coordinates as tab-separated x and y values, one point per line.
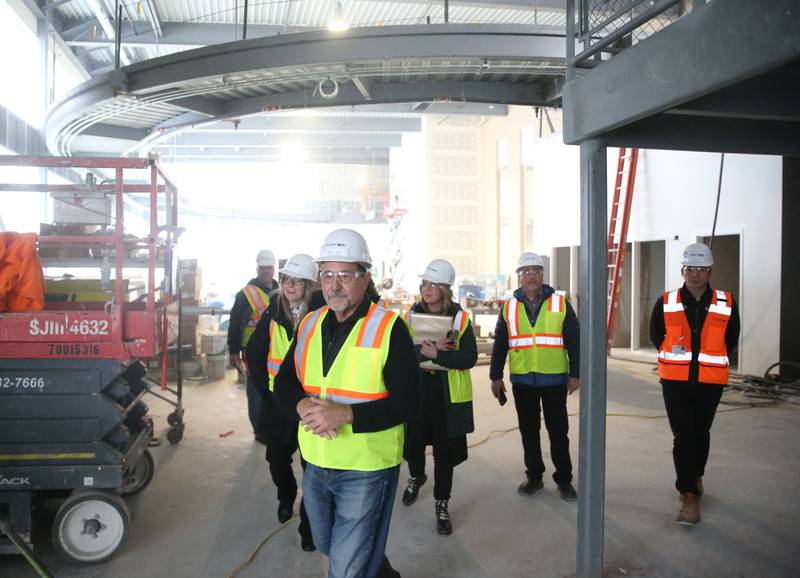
296	296
446	414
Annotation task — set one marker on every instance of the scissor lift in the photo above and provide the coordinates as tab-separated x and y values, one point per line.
72	376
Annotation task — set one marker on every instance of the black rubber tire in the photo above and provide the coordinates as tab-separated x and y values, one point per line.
110	514
173	419
139	476
175	434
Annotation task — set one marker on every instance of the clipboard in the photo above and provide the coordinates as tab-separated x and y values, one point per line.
428	327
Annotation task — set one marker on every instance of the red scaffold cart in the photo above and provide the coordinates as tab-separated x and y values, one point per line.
73	375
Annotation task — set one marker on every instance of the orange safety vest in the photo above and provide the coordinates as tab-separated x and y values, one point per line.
675	354
258	300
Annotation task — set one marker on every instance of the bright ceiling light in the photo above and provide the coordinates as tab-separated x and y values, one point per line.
338	23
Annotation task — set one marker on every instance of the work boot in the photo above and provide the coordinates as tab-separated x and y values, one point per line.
689	514
699	486
567	492
529	487
285	508
412	490
443	524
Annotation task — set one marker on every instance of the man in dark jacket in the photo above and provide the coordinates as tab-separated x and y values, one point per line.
248	307
694	328
538	330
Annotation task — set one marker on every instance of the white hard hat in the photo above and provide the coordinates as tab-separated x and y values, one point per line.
345	246
697	255
529	260
300	266
266	258
439	271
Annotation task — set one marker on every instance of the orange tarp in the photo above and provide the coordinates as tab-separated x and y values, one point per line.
21	277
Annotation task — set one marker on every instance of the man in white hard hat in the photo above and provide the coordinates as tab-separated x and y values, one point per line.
538	330
694	328
351	375
248	307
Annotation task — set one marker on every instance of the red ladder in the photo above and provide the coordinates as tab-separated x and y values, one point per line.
618	231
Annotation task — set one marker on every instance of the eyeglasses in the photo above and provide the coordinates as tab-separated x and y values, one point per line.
696	269
344	277
425	284
530	272
291	281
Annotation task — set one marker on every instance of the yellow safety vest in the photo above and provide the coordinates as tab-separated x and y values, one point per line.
259	302
538	349
278	346
459	381
356	376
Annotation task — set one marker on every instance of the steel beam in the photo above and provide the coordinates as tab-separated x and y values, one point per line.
492	42
268	140
718	45
175	35
313	124
713	134
489	92
593	298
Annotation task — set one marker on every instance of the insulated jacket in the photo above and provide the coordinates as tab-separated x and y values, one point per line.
457	380
543	345
242	315
21	277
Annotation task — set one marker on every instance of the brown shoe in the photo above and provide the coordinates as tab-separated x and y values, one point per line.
689	514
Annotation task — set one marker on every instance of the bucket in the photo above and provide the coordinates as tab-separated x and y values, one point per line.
215	366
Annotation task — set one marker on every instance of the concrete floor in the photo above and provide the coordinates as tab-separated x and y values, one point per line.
211	503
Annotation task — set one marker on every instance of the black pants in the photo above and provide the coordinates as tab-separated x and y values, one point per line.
279	457
553	400
691	410
442	470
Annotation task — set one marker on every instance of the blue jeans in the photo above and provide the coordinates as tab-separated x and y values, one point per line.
253	404
350	512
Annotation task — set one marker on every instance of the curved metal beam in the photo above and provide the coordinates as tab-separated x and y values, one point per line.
440	63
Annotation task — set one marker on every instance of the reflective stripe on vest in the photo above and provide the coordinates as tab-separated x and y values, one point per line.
538	349
459	381
356	376
258	301
278	346
675	355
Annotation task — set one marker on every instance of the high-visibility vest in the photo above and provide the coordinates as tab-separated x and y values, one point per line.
279	342
538	349
459	381
258	300
356	376
675	354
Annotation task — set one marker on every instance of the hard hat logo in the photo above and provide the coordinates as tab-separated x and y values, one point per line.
529	260
347	246
697	255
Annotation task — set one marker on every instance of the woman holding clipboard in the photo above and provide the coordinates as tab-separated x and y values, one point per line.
446	414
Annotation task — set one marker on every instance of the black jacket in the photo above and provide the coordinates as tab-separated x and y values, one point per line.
695	312
459	416
570	330
273	420
400	375
241	313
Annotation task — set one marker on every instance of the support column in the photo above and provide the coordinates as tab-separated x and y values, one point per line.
592	445
636	294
